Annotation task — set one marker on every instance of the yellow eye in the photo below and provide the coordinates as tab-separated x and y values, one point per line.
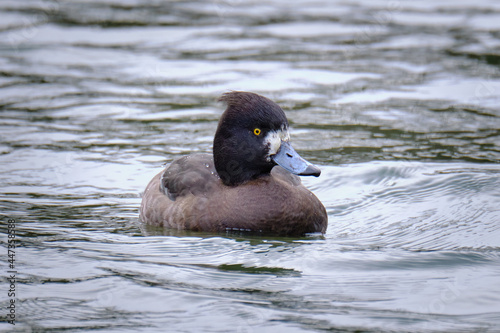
257	131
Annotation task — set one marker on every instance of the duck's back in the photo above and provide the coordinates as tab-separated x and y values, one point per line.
190	195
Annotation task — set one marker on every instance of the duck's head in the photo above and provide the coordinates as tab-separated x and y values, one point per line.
252	137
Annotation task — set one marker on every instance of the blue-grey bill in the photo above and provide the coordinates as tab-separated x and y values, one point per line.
290	160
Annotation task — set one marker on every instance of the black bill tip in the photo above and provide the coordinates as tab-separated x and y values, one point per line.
311	170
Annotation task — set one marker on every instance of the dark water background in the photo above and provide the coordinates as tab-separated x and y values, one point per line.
397	101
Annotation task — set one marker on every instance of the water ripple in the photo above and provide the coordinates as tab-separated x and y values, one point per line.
396	101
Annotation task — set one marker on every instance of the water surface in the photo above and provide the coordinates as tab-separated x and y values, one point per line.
397	102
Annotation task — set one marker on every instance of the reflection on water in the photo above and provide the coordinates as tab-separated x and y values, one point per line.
397	101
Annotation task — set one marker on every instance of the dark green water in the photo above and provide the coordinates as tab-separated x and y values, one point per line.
398	102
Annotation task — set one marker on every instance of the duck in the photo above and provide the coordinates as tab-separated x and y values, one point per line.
250	183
